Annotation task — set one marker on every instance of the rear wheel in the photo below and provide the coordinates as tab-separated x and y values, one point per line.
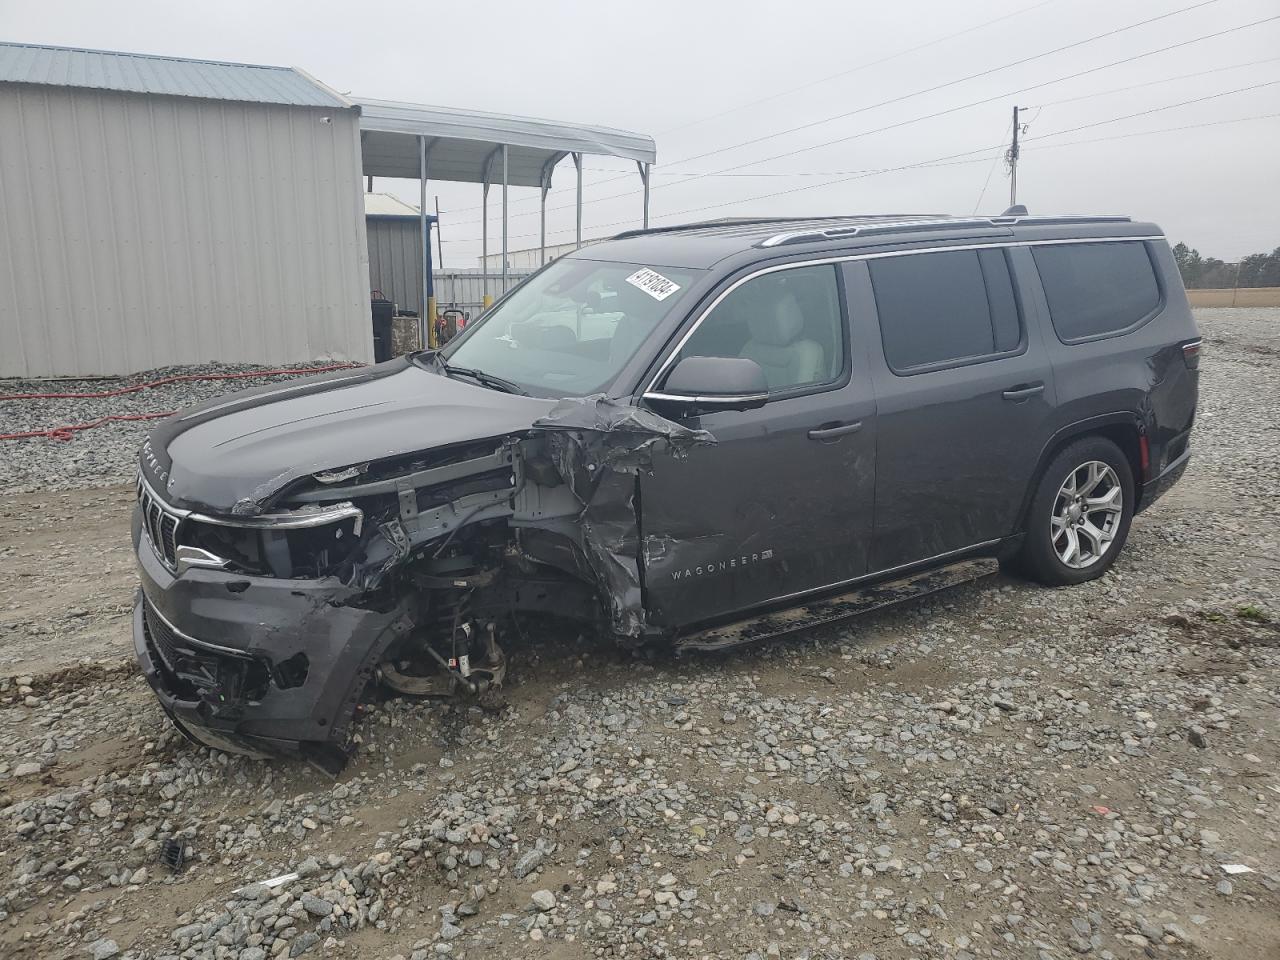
1080	515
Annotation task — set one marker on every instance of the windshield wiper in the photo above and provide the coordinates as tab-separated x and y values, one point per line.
479	376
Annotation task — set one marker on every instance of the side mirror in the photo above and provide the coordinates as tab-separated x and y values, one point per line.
714	383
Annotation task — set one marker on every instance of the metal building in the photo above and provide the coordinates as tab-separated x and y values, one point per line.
395	250
158	211
422	142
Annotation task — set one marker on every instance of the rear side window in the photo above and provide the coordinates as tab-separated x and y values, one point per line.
944	308
1097	289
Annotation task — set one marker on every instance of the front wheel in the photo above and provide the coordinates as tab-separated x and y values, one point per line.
1080	514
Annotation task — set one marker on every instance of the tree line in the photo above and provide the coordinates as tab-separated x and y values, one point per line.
1208	273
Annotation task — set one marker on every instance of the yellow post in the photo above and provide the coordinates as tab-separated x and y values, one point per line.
431	323
488	301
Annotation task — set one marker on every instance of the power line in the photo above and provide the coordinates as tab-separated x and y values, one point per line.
854	175
1086	126
1152	83
1036	107
860	67
990	170
950	83
907	96
930	116
1145	113
1002	96
806	86
958	159
1147	133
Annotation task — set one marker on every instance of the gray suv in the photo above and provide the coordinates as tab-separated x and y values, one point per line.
671	435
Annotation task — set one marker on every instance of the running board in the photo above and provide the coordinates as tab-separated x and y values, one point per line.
821	613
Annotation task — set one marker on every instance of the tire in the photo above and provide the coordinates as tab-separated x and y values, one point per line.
1078	522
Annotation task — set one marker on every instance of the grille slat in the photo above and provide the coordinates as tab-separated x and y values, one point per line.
162	638
160	526
169	537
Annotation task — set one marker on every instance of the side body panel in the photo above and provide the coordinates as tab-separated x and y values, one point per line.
1138	378
953	456
767	511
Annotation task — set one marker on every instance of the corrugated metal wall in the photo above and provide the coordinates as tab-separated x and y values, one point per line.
395	260
465	289
528	259
140	231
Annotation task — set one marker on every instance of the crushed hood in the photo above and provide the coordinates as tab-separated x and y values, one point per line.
234	453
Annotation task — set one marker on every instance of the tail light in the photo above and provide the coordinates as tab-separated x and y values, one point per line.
1191	353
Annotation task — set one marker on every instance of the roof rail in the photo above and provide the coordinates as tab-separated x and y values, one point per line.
905	226
699	225
730	222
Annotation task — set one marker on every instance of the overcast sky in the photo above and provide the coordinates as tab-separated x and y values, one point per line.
709	75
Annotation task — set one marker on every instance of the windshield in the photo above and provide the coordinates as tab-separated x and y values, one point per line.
571	328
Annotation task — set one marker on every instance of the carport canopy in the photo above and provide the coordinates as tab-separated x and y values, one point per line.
416	141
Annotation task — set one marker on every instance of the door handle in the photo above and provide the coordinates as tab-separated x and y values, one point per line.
831	433
1023	391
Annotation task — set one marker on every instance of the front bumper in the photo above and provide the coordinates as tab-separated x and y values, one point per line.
257	665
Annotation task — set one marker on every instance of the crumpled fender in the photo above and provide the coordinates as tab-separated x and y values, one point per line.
599	446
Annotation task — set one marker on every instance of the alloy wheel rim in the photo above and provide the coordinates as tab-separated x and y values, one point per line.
1086	514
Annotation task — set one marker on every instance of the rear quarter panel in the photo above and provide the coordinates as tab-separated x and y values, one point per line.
1138	377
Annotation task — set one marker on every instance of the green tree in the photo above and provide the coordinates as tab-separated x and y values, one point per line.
1203	273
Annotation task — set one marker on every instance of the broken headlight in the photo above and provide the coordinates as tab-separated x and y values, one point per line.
304	543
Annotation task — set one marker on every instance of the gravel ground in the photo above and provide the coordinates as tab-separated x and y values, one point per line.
997	771
107	453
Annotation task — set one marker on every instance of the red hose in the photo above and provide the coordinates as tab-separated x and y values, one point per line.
181	378
69	431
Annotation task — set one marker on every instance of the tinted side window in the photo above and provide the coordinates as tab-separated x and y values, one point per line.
1097	289
942	307
789	322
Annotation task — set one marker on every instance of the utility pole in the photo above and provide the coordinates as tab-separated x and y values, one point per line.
1013	162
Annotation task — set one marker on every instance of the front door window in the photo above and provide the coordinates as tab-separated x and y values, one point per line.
789	322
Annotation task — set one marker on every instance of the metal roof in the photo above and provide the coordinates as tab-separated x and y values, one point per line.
466	145
166	76
385	205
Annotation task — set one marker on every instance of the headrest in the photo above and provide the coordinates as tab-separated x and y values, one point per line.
775	321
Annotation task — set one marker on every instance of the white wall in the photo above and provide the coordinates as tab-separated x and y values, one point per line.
142	231
527	259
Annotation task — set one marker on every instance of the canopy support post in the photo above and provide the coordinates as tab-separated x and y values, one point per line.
485	299
545	186
644	178
427	309
504	221
577	162
542	230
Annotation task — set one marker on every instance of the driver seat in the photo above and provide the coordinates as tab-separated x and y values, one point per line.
775	344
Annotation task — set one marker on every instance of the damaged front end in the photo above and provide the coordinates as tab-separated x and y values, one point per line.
262	620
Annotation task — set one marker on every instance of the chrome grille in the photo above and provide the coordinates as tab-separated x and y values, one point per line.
159	523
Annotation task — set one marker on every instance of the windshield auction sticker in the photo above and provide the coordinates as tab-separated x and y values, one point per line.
653	283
